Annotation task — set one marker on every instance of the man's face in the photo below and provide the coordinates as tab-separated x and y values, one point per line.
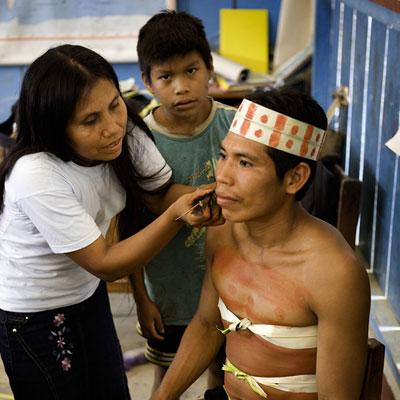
248	188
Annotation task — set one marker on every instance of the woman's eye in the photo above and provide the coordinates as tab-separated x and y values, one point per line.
91	121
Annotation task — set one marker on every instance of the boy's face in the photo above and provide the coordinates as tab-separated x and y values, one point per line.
248	187
181	85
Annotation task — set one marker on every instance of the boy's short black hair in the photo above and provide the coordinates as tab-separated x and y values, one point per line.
167	34
298	105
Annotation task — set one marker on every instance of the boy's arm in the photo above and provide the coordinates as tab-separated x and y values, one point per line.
343	316
149	316
199	344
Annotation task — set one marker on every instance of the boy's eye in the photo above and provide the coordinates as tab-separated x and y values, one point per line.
192	70
164	77
114	105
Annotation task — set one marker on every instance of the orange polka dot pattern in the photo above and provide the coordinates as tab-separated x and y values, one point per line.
277	130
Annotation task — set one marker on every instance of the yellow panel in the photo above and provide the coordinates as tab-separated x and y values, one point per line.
244	37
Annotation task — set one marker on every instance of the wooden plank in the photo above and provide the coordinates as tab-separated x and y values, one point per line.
380	14
378	32
394	281
373	377
322	56
345	70
334	48
357	93
348	205
393	5
119	286
389	176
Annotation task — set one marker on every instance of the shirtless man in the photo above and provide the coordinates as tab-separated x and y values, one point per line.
285	283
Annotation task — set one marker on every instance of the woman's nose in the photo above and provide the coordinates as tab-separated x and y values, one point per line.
110	126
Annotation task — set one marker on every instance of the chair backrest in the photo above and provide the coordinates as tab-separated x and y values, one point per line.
348	204
373	377
335	197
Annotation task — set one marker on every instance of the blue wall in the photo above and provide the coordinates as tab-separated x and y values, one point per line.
206	10
358	45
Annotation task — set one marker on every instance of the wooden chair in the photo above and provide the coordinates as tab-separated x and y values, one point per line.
348	208
335	197
373	377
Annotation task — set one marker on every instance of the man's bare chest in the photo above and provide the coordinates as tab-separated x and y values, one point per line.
263	292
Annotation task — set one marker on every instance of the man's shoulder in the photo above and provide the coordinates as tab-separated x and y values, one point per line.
331	259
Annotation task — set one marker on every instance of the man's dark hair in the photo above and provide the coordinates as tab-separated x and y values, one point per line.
170	33
298	105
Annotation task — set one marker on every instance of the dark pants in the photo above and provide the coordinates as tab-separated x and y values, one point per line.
68	353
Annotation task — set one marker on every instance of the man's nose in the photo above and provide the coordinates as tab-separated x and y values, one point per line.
224	172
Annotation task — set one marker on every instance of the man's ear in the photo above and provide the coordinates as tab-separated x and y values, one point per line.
297	177
147	83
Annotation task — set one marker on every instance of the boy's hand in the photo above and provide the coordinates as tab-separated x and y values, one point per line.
150	320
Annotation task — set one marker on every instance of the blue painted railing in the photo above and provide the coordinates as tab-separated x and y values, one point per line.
360	48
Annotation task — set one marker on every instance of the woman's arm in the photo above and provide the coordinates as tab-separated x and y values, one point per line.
159	200
121	259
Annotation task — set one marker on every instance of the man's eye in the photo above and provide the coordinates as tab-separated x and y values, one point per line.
245	163
221	156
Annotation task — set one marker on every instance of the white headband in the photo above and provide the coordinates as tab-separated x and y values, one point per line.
277	130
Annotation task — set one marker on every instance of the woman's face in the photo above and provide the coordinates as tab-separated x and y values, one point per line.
98	126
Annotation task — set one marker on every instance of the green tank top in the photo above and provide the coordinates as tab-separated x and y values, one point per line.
174	277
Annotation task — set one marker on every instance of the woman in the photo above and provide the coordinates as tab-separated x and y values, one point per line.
79	157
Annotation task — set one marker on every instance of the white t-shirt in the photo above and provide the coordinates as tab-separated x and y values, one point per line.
52	207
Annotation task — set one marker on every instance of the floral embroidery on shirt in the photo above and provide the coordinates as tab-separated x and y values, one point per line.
63	349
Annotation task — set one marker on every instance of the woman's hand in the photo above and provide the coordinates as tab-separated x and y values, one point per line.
198	209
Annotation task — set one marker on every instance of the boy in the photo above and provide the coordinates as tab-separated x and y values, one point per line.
285	283
176	65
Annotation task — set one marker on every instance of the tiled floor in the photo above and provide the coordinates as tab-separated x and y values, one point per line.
140	378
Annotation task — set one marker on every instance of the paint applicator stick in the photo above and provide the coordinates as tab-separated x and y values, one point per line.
188	211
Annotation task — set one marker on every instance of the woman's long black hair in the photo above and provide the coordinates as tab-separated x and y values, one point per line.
51	88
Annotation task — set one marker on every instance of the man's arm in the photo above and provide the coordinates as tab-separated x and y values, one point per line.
199	344
343	317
